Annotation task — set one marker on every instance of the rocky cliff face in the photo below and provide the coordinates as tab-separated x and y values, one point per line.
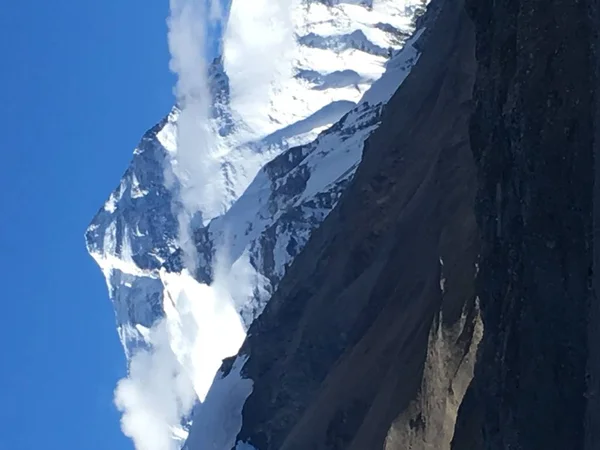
370	340
477	199
532	134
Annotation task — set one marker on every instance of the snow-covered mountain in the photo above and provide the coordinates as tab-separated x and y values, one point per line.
286	134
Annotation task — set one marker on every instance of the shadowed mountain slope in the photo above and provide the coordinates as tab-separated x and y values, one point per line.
533	133
369	341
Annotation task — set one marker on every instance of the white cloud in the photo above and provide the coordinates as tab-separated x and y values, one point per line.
186	349
187	44
156	394
258	47
194	163
204	325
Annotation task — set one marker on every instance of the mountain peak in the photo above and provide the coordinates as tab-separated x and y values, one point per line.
240	199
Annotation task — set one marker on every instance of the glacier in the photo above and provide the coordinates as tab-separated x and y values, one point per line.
286	137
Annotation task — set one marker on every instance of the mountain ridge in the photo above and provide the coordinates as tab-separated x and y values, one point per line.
293	169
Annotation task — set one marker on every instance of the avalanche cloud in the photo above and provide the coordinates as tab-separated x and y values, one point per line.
185	350
229	186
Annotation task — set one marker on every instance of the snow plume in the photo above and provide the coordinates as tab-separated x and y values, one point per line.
201	325
185	350
204	324
156	395
194	169
259	45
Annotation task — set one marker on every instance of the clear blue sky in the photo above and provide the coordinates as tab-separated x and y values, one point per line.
80	82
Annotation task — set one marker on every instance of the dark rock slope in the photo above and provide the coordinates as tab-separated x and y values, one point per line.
475	194
532	135
370	340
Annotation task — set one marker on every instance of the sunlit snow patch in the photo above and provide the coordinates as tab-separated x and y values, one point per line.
204	326
219	419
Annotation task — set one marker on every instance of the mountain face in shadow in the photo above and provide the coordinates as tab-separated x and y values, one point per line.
448	301
533	137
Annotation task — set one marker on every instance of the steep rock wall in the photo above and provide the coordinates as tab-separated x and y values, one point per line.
532	136
369	341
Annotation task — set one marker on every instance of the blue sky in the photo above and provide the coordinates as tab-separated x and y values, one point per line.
80	83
